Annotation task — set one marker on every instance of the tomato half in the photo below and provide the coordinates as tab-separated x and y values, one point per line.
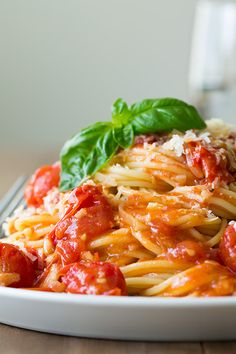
42	181
13	260
94	278
70	246
88	215
227	247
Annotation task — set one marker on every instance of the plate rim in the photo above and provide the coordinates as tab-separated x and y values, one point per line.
116	301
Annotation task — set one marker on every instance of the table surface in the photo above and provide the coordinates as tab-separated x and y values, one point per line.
15	340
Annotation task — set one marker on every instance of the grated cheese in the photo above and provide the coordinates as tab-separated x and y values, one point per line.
176	143
233	223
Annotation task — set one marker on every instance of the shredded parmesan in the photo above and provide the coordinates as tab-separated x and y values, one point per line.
233	223
176	143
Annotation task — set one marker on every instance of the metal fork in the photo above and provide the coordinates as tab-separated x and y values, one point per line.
13	198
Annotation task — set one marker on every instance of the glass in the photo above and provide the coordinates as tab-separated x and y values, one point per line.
212	77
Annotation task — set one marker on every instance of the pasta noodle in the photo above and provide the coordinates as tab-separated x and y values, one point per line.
171	210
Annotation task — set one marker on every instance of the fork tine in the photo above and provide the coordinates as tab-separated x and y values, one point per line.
9	196
12	200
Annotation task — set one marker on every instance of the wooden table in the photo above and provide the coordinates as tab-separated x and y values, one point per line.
14	340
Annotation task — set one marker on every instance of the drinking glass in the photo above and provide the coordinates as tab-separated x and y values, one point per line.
212	75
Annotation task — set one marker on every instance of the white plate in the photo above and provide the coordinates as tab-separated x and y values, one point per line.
136	318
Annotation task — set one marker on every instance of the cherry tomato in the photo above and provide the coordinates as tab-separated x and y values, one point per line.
96	219
188	251
94	278
37	259
42	181
13	260
227	247
97	216
88	215
73	242
207	163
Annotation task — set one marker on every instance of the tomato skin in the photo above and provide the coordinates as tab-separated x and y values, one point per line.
207	163
227	248
214	255
70	246
42	181
89	214
98	212
94	278
97	219
13	260
188	251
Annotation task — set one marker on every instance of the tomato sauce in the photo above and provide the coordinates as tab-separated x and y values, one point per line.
227	249
208	164
206	279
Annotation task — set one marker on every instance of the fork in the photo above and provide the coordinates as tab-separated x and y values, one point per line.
13	198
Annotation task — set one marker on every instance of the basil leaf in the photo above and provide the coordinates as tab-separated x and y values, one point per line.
166	114
94	146
86	153
120	112
124	136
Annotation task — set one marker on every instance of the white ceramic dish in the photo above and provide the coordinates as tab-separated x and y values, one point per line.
134	318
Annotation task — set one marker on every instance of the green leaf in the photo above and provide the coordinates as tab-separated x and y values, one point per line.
120	112
166	114
92	148
86	153
124	136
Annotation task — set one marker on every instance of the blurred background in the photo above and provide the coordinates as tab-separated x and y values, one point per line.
63	63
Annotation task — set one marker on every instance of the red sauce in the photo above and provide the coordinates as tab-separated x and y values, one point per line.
188	251
227	248
206	279
208	164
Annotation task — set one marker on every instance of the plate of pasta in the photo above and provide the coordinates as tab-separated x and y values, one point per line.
131	234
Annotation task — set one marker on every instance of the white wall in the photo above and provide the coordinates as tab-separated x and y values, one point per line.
63	62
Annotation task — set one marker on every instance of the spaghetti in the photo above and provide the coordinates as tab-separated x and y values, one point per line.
157	220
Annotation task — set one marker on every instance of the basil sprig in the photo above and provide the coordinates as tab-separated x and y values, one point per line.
91	149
